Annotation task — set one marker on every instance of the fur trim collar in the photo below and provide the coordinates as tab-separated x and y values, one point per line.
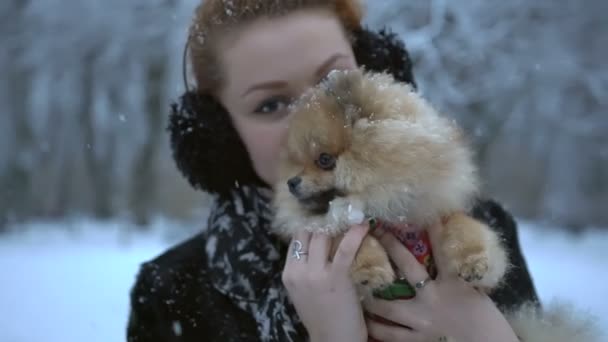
556	323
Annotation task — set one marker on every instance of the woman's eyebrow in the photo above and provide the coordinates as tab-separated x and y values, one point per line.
265	85
282	84
331	60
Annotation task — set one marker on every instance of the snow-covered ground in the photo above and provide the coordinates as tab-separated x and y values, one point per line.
63	287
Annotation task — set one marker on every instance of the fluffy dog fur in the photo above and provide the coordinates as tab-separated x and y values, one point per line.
558	322
362	141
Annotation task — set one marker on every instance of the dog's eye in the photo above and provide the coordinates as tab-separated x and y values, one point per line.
326	161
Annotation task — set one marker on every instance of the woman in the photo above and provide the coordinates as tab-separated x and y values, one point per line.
250	59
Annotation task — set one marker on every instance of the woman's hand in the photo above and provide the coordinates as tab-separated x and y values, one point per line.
322	292
444	309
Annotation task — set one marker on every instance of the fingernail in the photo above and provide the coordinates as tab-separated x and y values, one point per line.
375	228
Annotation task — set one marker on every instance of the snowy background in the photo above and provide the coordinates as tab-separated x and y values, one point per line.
69	281
88	189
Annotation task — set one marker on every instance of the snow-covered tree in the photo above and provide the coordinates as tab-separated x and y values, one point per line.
86	86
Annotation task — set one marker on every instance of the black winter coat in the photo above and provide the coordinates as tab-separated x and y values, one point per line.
173	299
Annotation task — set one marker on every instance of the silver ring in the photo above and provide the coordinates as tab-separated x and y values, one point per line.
297	250
421	284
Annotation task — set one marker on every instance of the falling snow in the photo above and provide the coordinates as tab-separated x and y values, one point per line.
177	328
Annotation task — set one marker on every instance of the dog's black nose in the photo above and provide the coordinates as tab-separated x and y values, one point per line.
293	183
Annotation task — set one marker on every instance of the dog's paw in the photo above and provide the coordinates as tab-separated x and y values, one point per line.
373	277
473	267
473	251
482	271
372	267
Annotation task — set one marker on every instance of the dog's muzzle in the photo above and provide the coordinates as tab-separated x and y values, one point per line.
293	184
316	203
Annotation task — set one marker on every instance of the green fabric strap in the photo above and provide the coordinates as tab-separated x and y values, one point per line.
399	289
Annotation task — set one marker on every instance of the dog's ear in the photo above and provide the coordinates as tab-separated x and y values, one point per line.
344	87
342	83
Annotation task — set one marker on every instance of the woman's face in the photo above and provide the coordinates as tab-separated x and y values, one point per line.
268	64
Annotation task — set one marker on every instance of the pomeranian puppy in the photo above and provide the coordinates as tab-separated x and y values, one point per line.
361	145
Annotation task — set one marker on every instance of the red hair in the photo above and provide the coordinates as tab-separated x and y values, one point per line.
215	18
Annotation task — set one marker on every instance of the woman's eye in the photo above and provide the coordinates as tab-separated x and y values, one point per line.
272	105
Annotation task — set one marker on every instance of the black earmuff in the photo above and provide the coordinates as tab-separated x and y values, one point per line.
383	51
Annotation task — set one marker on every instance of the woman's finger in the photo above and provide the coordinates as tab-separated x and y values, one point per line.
348	247
404	312
408	266
297	253
320	245
389	333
